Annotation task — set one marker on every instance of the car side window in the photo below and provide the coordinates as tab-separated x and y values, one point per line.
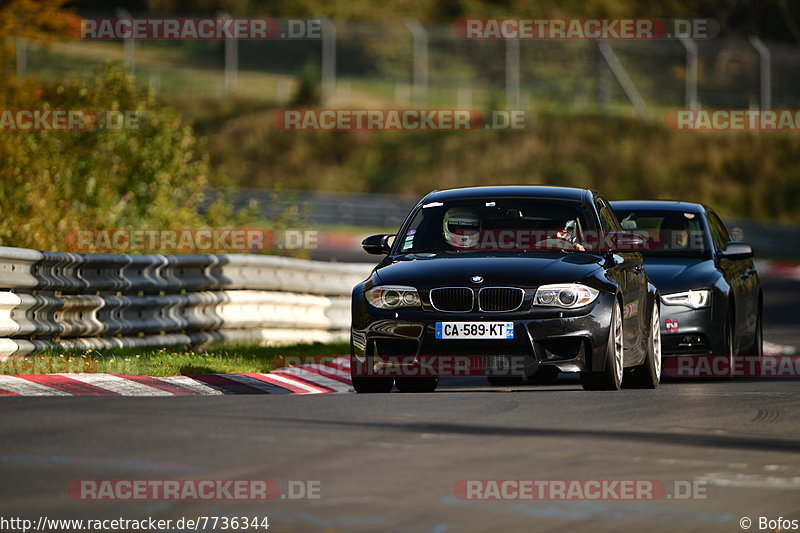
718	232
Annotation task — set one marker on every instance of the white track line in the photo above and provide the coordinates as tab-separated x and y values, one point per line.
28	388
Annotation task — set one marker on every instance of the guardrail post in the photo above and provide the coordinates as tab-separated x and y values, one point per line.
765	68
420	37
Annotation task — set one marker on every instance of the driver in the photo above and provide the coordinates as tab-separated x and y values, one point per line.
568	234
462	226
675	233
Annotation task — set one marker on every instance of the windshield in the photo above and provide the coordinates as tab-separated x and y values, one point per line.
668	233
497	224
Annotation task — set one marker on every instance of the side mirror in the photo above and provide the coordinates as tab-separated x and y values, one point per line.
624	241
736	250
377	244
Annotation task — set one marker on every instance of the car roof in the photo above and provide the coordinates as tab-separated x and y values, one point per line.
520	191
660	205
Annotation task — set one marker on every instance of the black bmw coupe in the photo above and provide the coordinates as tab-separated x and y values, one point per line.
516	281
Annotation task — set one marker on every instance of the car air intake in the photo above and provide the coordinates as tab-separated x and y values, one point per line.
453	299
500	298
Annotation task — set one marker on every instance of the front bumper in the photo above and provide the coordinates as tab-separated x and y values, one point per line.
687	331
571	340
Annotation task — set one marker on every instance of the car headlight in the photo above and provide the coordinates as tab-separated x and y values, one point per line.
693	299
392	296
566	295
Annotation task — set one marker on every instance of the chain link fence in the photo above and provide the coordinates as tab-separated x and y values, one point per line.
407	64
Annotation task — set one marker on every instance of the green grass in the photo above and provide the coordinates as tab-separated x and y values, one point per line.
166	361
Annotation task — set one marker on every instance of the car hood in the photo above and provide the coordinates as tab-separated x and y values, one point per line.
676	274
524	270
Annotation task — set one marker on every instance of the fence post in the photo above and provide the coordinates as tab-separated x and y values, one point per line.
691	73
765	99
128	45
603	84
22	57
624	80
420	37
328	81
231	60
512	73
464	98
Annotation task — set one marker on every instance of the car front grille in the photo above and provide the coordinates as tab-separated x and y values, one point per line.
500	299
452	299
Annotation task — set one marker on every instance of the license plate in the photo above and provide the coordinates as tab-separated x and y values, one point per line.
474	330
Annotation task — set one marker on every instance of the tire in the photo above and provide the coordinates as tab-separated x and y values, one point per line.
610	378
364	385
417	384
728	348
756	350
504	381
544	375
648	374
369	384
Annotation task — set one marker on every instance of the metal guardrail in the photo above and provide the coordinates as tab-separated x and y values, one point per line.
330	208
52	300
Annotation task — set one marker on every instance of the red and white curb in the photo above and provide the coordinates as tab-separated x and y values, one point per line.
304	379
778	269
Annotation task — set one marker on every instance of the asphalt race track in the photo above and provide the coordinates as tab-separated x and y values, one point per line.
390	462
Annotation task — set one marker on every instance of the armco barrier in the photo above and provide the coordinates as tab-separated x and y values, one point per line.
51	300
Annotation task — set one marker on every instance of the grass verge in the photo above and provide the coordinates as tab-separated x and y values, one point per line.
166	361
